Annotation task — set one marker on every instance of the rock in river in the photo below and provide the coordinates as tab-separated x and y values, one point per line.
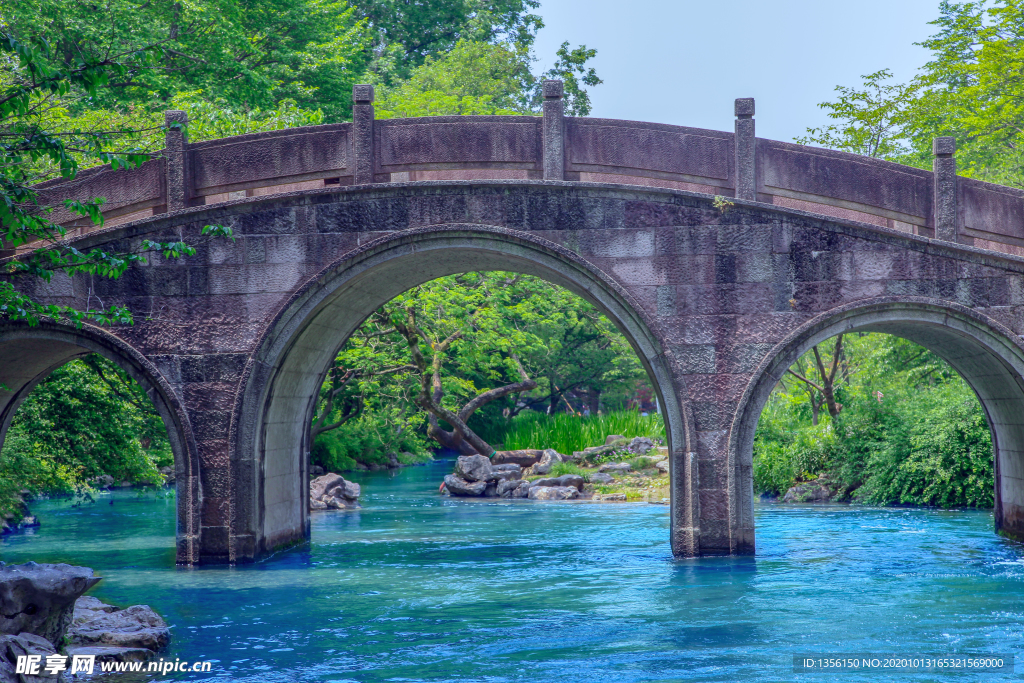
473	468
553	492
574	480
98	624
457	486
23	645
510	488
333	491
40	598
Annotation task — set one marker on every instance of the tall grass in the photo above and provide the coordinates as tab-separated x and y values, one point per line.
567	433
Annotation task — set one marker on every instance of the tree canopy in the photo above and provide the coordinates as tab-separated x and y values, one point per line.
476	348
970	89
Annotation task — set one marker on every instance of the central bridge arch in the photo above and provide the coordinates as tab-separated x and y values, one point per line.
272	434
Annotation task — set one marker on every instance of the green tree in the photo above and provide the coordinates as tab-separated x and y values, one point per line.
473	78
407	33
87	419
488	78
29	152
464	354
910	430
970	89
251	55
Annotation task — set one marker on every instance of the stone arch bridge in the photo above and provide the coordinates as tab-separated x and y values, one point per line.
718	296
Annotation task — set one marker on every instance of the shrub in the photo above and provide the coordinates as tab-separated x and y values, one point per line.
368	440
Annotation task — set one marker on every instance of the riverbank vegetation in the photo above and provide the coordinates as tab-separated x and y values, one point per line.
901	427
88	419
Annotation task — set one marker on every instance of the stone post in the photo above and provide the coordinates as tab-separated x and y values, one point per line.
362	134
554	131
746	150
176	176
944	195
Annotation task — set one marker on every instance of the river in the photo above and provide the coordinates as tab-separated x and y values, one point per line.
416	587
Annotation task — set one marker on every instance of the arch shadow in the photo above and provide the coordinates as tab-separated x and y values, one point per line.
984	352
28	354
270	436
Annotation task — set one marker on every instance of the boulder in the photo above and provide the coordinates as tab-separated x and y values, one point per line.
612	438
610	497
349	490
601	478
574	480
622	467
333	492
505	488
40	598
524	458
473	468
553	493
321	485
28	521
662	466
552	455
87	607
104	481
137	626
640	445
516	470
457	486
316	470
522	490
548	459
816	491
595	452
492	490
24	645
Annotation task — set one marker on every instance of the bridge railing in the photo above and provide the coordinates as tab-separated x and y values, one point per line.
934	203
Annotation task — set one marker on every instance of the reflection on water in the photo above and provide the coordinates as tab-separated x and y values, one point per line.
415	587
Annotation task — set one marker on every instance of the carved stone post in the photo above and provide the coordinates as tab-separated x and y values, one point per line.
176	175
944	168
746	150
362	134
554	131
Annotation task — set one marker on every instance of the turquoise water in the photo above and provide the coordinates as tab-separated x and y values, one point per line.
415	587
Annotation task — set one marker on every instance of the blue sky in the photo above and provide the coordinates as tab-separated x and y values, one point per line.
684	62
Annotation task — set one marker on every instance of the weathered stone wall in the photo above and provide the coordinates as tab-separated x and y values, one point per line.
715	301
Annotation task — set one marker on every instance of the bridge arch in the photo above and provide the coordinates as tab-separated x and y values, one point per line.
989	357
28	354
270	435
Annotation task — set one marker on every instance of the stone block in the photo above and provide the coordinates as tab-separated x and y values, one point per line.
695	358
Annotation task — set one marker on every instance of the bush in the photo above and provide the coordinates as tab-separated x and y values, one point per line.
368	440
567	433
925	445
